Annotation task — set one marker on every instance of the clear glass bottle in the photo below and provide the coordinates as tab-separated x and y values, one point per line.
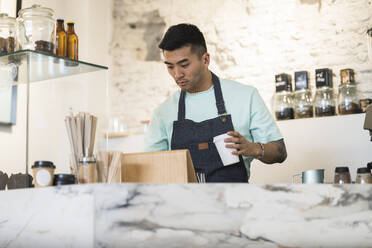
363	176
342	175
7	33
325	100
61	39
303	100
283	100
36	29
72	42
348	99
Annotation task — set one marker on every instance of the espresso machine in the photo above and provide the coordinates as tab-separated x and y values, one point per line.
368	120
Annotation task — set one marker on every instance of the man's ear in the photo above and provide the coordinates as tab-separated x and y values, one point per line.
206	59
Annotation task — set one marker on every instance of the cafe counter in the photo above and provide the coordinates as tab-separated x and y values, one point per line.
187	215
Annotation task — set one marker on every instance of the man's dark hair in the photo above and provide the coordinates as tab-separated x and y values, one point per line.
181	35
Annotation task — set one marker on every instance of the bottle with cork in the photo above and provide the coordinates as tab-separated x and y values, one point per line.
72	42
61	39
283	101
348	100
324	101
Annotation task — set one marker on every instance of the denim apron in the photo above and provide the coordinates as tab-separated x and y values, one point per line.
197	137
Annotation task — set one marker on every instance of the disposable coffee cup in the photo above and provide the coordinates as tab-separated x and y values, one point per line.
225	153
43	172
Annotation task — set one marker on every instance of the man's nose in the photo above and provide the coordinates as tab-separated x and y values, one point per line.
178	73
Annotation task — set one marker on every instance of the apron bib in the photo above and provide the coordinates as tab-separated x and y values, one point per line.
197	137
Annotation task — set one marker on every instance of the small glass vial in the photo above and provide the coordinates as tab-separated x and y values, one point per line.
303	100
342	175
348	100
363	176
283	101
324	101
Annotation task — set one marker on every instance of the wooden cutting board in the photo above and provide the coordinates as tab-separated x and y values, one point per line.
158	167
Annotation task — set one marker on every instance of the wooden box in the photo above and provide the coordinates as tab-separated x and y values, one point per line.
158	167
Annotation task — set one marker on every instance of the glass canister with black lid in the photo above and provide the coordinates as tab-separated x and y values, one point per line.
36	29
302	100
348	99
324	101
283	100
342	175
7	33
363	176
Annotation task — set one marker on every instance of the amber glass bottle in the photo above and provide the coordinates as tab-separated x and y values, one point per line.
61	44
72	42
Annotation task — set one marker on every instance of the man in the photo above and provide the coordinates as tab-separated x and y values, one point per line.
208	106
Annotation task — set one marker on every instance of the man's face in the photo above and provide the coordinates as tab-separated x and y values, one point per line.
187	69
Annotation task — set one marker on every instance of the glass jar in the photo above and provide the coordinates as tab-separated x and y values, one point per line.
348	100
342	175
283	100
324	101
302	97
36	29
363	176
7	33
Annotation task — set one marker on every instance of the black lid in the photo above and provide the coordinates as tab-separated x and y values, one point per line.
45	164
369	165
60	20
341	169
323	77
301	80
363	170
283	82
64	177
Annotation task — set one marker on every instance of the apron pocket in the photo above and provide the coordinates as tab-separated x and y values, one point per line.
204	152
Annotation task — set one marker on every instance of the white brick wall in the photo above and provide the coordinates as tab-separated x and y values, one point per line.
249	41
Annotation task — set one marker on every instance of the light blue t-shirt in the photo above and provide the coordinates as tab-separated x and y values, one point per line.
249	114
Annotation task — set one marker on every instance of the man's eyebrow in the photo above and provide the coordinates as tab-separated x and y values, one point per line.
179	62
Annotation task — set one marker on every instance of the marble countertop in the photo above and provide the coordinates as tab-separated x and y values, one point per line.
187	215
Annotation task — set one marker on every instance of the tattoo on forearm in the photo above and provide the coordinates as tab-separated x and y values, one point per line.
282	151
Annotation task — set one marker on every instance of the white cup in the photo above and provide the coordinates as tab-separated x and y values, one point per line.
225	153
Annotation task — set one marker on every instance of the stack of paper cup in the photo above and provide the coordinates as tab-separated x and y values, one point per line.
225	153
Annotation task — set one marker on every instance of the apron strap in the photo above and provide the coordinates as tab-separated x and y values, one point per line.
217	93
181	106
